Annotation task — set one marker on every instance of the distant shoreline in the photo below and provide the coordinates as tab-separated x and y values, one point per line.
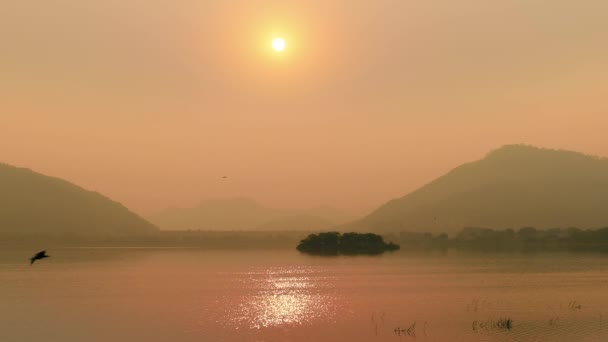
469	239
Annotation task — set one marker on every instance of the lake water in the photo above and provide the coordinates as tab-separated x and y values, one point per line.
196	295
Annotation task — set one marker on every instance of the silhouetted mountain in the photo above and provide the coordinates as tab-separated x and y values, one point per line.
225	214
245	214
329	214
297	222
512	187
34	203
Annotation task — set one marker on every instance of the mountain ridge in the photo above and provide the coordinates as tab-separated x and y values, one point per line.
243	213
31	202
511	187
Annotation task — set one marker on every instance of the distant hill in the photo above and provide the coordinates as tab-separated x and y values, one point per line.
298	222
512	187
245	214
328	214
34	203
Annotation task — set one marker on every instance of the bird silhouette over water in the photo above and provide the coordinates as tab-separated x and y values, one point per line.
38	256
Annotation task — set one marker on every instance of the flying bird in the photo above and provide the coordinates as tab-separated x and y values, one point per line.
38	256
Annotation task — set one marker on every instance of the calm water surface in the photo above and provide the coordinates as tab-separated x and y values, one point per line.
195	295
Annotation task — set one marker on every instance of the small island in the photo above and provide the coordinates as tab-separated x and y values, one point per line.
334	243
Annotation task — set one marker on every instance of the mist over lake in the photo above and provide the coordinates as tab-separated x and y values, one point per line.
179	294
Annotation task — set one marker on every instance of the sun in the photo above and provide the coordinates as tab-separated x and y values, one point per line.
278	44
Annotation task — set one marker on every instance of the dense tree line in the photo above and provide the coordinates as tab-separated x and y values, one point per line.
332	243
507	239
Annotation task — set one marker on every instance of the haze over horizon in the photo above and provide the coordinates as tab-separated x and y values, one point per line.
152	102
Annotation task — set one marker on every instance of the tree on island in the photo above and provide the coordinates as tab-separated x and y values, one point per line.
333	243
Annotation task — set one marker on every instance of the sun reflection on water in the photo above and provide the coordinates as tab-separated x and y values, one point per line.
284	297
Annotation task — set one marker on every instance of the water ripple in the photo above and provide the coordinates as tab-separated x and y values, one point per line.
283	296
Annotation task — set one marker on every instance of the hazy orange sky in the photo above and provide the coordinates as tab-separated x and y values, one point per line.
151	102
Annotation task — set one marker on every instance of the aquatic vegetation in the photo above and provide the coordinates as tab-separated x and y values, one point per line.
490	324
377	321
553	321
409	331
574	305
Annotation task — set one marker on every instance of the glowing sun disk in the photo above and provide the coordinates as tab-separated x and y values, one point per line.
278	44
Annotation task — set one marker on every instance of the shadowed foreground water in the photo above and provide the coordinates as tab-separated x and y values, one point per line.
194	295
